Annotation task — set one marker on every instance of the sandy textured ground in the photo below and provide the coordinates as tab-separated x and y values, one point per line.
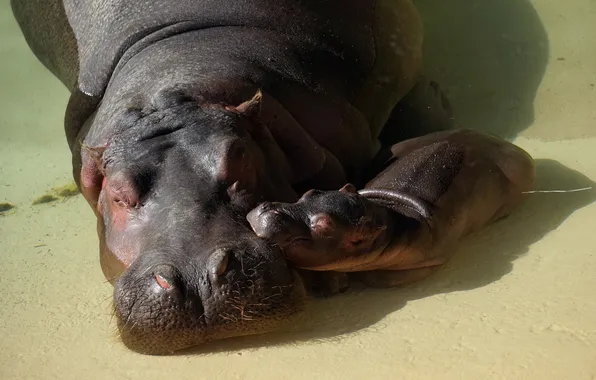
518	301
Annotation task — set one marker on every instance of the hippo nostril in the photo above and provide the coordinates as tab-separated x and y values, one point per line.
162	281
219	262
165	276
265	206
269	208
223	265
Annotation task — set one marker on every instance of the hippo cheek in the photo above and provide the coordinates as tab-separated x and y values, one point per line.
111	265
117	252
162	306
91	180
119	240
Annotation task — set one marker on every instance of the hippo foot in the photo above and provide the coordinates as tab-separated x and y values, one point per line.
323	228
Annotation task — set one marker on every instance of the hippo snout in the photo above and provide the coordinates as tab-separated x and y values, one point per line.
270	221
157	313
165	302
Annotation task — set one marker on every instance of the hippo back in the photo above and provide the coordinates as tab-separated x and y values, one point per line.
107	31
314	56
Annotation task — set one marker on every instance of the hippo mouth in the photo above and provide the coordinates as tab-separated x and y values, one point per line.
162	306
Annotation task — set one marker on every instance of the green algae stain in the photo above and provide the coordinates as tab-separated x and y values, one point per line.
57	193
5	207
66	191
46	198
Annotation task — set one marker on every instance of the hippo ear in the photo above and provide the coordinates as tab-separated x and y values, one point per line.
348	188
249	108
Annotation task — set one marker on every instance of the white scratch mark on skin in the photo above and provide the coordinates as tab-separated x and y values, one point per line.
557	191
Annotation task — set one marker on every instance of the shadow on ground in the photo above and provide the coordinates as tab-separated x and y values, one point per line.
489	56
483	258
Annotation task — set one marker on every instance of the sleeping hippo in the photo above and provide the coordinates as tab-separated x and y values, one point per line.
409	219
186	115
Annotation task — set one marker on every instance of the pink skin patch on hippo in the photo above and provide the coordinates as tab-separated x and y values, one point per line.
112	201
162	282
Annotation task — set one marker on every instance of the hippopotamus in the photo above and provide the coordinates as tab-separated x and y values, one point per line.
185	116
408	220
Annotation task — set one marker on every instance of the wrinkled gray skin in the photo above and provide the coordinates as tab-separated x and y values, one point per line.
172	148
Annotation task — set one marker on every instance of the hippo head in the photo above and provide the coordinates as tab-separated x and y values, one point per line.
325	230
171	193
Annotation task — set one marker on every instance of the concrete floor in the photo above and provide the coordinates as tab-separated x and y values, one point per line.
517	301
